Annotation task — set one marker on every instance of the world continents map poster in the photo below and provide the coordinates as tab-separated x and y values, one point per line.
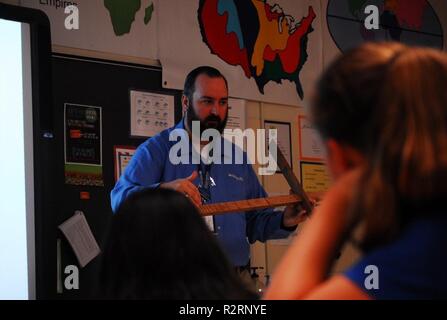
270	50
124	30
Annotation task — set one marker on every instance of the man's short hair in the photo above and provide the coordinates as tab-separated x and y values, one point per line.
190	81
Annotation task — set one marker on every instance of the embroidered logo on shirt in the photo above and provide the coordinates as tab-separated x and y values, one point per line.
236	177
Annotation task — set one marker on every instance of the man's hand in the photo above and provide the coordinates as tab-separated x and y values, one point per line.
186	187
294	215
305	266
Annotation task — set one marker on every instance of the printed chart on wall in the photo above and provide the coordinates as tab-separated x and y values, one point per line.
311	146
83	145
236	114
122	156
236	120
150	113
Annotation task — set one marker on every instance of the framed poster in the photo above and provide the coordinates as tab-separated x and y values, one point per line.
314	177
284	138
83	145
311	146
122	156
150	113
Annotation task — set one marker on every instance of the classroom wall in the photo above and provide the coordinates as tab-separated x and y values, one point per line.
14	2
263	255
268	255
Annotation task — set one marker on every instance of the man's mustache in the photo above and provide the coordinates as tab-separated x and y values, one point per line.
214	120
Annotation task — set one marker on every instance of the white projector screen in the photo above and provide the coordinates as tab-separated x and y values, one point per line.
17	262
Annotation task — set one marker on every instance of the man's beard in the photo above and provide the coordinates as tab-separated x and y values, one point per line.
211	122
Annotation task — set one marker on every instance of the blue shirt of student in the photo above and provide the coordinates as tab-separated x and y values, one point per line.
413	267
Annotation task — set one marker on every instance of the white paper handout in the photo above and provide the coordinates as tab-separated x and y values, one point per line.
80	237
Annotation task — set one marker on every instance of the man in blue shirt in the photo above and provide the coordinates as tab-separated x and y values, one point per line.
205	99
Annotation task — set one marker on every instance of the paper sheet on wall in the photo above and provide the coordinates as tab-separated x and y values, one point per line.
236	119
236	114
311	145
80	237
150	113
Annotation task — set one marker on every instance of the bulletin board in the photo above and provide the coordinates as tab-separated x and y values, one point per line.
105	86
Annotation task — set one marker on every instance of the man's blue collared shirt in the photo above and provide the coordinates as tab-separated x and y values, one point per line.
151	166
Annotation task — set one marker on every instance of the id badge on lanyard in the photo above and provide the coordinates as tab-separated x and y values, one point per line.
206	182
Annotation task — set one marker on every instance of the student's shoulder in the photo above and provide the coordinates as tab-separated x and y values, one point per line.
410	266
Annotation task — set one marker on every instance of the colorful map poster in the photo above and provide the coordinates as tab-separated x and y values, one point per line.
269	50
83	145
415	22
126	28
412	22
